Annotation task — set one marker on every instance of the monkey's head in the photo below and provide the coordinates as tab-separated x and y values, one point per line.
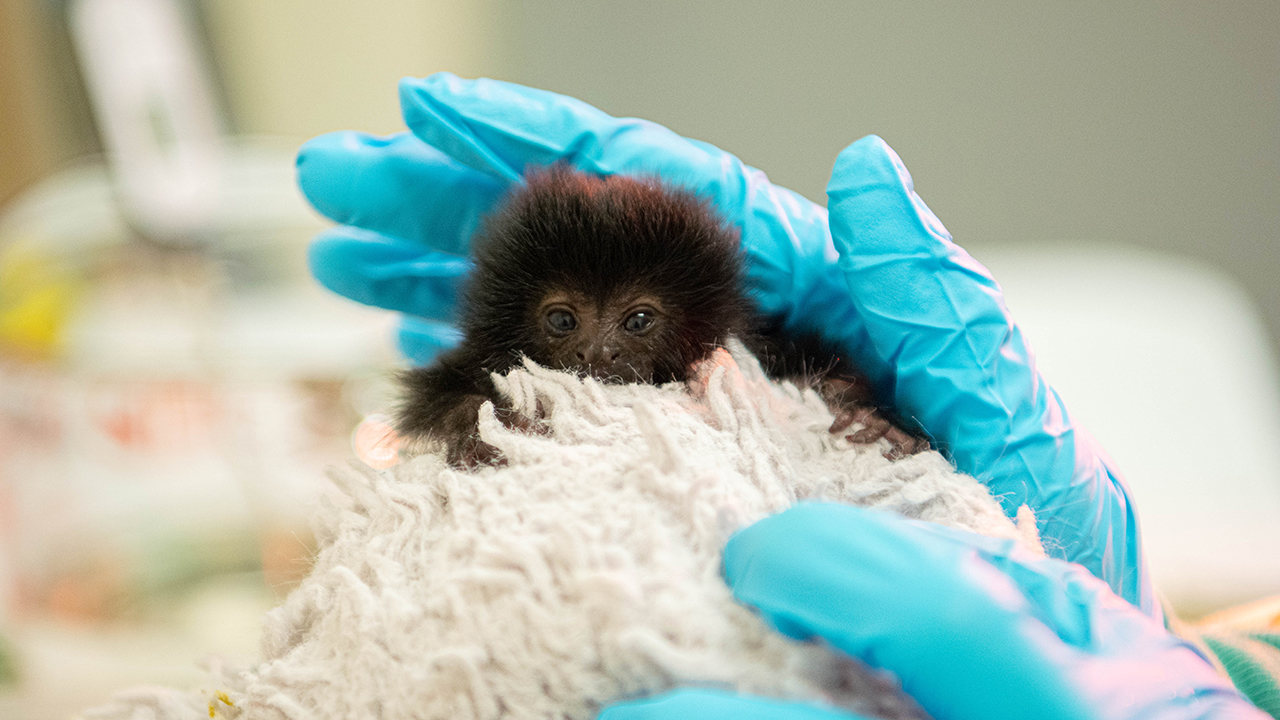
621	278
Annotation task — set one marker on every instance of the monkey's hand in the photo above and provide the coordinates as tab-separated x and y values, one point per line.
461	436
850	403
442	406
459	431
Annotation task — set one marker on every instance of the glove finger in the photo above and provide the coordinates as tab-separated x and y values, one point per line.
501	128
422	340
843	574
972	626
385	272
714	705
398	186
966	373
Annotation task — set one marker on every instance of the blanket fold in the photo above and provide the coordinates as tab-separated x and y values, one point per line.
587	570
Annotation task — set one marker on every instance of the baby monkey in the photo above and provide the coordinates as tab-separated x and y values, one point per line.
625	280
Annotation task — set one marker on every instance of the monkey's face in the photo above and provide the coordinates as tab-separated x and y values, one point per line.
623	338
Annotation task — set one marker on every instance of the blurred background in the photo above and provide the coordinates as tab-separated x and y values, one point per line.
172	384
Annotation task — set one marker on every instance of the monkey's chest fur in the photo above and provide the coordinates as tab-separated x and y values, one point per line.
621	279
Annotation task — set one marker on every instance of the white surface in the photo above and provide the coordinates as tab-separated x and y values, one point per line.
1167	363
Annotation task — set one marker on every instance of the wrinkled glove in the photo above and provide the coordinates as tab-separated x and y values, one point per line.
924	320
974	627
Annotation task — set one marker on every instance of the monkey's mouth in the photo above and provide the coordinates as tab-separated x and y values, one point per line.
615	374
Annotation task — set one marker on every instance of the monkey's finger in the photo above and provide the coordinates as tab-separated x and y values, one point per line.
384	272
874	426
966	373
396	185
903	444
843	419
500	128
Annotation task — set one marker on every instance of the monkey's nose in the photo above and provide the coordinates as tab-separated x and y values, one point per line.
596	355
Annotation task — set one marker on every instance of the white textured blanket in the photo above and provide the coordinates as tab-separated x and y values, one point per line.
585	572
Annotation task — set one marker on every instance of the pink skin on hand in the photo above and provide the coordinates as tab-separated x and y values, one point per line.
376	443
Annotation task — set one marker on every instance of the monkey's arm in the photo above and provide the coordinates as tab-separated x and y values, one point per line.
442	405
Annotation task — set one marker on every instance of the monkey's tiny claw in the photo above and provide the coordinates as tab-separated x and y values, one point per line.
904	444
873	425
515	420
843	419
474	453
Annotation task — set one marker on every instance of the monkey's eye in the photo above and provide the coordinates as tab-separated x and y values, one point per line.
561	322
638	321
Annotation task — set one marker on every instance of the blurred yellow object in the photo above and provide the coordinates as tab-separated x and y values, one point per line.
36	296
220	700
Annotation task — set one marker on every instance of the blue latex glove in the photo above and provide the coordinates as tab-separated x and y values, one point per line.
923	319
974	627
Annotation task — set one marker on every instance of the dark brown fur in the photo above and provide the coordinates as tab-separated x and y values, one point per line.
601	250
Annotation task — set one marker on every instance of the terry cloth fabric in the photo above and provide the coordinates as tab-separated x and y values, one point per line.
584	572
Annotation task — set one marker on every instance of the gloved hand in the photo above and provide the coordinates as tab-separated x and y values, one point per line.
974	627
924	320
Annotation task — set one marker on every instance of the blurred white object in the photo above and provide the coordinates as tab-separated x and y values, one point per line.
155	113
287	327
1166	361
193	393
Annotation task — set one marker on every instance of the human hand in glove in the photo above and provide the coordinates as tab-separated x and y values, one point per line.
881	276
